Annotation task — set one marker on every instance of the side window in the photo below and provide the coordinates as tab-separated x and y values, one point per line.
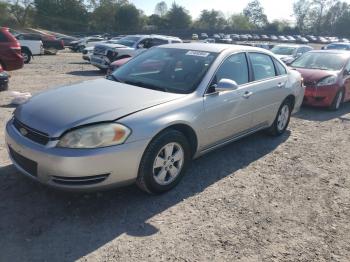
235	68
145	43
263	66
281	70
157	41
3	38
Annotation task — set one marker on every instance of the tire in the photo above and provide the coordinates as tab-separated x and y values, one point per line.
27	56
282	119
337	101
160	171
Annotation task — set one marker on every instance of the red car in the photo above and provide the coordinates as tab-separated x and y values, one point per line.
326	77
4	79
116	64
10	51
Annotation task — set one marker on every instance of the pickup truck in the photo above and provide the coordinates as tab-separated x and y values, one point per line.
129	46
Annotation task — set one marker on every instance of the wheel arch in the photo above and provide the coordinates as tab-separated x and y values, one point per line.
290	98
25	48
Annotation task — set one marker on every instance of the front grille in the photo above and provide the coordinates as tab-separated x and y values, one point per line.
79	181
310	83
26	164
99	50
30	133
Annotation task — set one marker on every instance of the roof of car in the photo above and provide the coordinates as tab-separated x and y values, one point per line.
293	45
215	48
340	43
332	51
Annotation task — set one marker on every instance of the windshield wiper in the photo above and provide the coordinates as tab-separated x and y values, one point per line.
146	85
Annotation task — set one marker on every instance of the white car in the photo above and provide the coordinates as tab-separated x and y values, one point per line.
87	53
129	46
30	48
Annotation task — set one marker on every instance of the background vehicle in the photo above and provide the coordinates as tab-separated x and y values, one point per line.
288	53
87	53
337	46
128	46
326	77
10	51
173	103
50	44
195	37
67	40
30	48
80	45
116	64
4	79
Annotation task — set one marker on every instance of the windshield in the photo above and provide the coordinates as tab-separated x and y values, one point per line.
283	50
323	61
338	47
129	41
166	69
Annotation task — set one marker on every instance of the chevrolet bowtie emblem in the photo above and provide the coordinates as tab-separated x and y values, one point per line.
23	131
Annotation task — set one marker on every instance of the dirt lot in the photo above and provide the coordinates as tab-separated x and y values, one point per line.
259	199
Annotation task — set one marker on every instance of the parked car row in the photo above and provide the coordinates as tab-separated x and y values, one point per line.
230	38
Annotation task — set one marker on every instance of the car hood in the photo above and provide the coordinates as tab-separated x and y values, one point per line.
312	76
114	45
58	110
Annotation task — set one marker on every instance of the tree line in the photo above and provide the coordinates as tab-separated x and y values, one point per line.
312	16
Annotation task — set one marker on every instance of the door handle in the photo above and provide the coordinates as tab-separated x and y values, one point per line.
280	85
247	94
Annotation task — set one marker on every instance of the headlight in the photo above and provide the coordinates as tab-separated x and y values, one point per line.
100	135
329	80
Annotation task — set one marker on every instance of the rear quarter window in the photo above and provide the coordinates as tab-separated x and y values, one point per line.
281	70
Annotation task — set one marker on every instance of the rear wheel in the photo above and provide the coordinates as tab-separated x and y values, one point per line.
282	119
164	162
338	100
27	56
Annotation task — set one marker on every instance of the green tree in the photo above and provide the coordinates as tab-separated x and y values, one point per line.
70	15
102	17
178	17
22	11
211	20
157	21
255	13
301	11
128	18
239	22
161	9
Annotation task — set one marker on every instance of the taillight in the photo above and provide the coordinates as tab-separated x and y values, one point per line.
16	48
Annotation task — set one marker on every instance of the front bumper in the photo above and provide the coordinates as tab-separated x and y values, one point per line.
100	61
74	169
320	96
87	57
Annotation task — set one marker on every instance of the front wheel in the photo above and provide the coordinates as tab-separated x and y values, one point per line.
282	119
164	162
338	100
27	56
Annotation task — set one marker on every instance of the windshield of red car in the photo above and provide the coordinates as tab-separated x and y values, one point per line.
320	60
166	69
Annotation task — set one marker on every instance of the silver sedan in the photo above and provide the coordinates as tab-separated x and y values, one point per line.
150	117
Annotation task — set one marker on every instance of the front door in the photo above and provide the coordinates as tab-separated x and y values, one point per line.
228	113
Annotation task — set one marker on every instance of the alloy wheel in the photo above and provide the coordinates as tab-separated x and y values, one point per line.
168	163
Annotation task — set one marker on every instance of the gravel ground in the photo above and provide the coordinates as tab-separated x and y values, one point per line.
259	199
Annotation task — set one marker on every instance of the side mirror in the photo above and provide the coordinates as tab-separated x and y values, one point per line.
226	85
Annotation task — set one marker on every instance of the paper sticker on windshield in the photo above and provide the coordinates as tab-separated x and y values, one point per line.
198	53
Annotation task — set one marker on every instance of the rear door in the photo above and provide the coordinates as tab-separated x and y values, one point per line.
268	87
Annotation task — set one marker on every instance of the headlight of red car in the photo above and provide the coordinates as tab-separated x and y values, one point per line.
327	81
